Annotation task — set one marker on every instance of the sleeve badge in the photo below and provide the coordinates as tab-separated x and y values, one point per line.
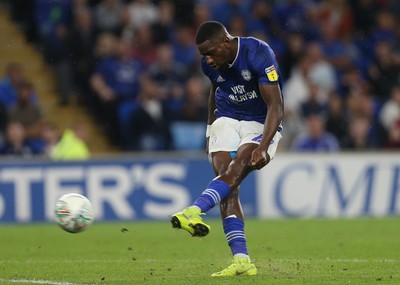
271	73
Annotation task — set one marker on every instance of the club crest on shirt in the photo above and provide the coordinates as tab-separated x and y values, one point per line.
271	73
246	75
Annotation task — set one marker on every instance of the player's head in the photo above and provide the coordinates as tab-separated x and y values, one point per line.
215	44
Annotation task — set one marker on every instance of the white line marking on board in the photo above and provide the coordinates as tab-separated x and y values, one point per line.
34	281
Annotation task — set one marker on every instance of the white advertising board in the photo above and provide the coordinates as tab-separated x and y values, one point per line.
329	185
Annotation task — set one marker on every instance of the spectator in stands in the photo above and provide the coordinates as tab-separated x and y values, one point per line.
50	137
54	20
390	112
315	138
296	87
150	123
321	71
116	82
396	47
184	12
26	112
292	15
108	17
189	126
105	47
364	17
21	12
14	75
358	134
362	104
57	54
333	48
3	119
260	18
394	6
339	45
337	118
49	16
385	28
336	15
383	72
393	138
312	104
163	28
143	48
292	54
15	143
141	12
169	75
295	90
351	79
225	10
195	105
72	145
184	47
237	25
80	43
201	12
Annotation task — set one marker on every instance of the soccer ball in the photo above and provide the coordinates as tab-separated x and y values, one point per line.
74	212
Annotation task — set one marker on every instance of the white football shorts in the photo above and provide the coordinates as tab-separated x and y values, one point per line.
228	134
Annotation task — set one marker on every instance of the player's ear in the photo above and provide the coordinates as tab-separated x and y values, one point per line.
227	41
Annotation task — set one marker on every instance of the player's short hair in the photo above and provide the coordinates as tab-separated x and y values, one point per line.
208	31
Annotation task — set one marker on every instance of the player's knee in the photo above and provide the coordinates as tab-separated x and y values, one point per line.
235	173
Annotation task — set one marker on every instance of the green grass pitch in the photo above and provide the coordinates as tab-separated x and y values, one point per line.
288	251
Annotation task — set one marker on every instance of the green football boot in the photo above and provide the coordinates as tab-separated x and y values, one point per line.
240	266
189	219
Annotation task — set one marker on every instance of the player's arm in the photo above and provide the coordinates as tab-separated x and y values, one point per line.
211	111
211	105
100	86
272	96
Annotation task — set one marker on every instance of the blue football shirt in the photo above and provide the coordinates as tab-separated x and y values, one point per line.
237	95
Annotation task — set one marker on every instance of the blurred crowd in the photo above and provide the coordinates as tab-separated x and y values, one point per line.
25	131
135	66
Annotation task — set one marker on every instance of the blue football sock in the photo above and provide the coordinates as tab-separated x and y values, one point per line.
215	192
235	236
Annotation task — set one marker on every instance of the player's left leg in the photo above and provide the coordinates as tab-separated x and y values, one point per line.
233	218
233	224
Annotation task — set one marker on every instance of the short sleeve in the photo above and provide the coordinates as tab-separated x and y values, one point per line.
265	65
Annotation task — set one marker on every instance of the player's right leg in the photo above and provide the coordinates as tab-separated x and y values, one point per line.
190	220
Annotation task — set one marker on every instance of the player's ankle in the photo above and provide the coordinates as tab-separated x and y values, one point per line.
241	255
195	209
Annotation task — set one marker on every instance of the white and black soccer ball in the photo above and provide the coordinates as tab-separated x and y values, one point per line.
74	212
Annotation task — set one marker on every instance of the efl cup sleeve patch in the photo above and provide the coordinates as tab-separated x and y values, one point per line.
271	73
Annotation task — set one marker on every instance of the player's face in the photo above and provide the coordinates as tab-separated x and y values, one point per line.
215	52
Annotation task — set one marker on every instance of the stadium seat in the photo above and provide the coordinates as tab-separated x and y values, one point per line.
188	135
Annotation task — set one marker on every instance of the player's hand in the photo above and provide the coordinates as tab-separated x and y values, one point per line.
259	158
